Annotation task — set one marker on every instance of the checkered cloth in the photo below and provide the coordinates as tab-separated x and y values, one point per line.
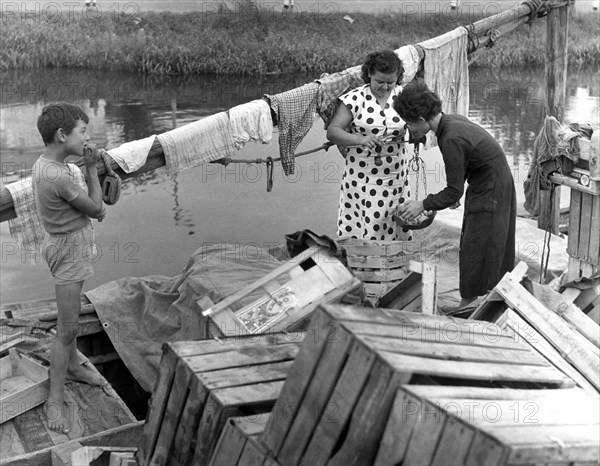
27	229
295	112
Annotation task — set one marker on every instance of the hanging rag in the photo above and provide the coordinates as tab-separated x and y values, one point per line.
132	155
447	73
27	229
251	122
295	112
196	143
410	59
555	149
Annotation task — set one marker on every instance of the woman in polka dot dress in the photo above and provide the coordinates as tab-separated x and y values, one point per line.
375	179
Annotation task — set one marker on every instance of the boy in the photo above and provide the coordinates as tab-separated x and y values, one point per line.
65	210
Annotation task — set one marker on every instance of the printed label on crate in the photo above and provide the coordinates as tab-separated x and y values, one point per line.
259	316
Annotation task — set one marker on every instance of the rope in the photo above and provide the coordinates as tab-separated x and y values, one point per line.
472	38
547	238
227	160
111	184
269	174
493	37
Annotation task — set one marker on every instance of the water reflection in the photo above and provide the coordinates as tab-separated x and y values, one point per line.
167	219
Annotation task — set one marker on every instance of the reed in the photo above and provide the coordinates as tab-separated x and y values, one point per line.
253	41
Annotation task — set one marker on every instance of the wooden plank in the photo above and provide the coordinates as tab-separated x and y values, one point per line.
10	442
241	358
575	348
425	436
157	404
32	431
172	416
594	249
594	313
339	407
434	392
457	352
229	448
585	227
377	262
485	451
321	331
441	333
410	300
574	223
268	372
454	444
527	333
587	297
194	348
469	370
369	417
532	445
183	450
429	289
358	247
396	294
569	294
313	404
397	434
252	455
126	435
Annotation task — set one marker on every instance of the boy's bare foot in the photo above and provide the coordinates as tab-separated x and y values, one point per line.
57	416
82	374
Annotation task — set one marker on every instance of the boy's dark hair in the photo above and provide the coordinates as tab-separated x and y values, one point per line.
417	101
59	115
384	61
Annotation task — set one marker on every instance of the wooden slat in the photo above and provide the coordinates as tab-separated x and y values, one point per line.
10	442
171	418
429	289
369	418
476	370
594	250
157	404
425	437
454	444
485	451
319	333
397	293
315	400
441	350
229	448
339	407
585	227
574	223
527	333
573	345
267	372
243	357
434	392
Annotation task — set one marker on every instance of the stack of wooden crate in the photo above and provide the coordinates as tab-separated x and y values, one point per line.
204	383
390	278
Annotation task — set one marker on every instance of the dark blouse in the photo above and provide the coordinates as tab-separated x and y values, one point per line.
470	153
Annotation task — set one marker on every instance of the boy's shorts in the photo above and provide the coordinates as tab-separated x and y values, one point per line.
70	255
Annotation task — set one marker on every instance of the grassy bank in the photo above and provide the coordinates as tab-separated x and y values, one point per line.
248	41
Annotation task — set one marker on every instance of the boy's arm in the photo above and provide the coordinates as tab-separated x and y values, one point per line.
91	203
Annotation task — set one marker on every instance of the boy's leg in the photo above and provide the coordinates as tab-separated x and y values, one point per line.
68	301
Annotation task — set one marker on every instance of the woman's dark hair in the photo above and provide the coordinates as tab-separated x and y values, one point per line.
417	101
384	61
59	115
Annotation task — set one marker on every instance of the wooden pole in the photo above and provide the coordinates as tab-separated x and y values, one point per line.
557	28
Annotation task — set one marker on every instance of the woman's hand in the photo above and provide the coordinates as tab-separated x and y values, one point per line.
410	210
371	141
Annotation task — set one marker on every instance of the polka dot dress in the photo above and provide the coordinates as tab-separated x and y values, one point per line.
370	193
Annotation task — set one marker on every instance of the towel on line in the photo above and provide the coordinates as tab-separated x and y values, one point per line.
447	73
131	156
196	143
251	122
295	112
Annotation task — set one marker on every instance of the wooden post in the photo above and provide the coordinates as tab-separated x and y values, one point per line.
557	27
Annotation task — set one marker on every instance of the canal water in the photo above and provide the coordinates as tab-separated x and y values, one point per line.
160	220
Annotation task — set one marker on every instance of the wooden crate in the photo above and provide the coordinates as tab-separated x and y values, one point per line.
24	385
337	398
584	227
100	456
239	444
203	383
390	278
286	296
443	425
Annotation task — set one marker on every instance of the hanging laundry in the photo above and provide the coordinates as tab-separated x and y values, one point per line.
410	59
331	87
196	143
131	156
251	122
27	229
555	149
447	73
295	112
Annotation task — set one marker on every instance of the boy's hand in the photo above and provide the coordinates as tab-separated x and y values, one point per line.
91	154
